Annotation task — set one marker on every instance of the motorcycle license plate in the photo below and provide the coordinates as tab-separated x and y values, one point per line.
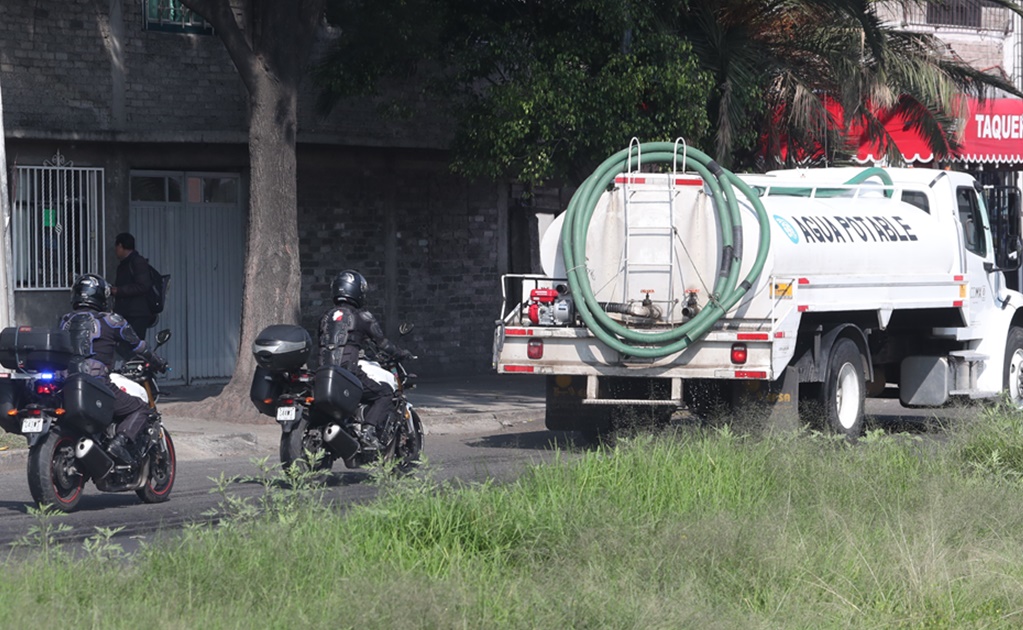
31	425
285	414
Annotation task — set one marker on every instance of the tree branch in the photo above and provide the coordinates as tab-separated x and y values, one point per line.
220	15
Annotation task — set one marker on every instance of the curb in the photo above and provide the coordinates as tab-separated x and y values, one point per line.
13	458
447	423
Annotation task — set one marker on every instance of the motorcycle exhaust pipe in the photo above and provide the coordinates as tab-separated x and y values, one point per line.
97	463
339	442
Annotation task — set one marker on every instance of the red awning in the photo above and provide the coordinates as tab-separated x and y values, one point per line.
993	132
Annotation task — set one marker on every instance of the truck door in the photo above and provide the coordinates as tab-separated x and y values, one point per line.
1003	204
976	244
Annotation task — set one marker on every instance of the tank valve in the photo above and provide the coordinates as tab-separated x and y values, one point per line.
690	308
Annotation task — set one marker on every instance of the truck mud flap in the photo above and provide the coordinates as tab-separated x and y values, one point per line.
565	410
771	405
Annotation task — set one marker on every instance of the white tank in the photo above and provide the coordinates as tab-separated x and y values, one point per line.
671	249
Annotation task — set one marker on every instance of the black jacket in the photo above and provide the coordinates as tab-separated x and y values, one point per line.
345	331
97	337
133	285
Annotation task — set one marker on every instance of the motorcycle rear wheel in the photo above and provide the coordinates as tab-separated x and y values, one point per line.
406	447
163	468
300	439
53	477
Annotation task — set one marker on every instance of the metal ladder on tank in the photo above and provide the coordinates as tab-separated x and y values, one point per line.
663	209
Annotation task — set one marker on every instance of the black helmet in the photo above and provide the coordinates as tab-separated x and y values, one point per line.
90	291
349	286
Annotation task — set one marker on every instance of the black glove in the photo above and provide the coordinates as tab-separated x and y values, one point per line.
158	364
405	355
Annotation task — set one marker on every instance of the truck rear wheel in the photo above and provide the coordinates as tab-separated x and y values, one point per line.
1012	379
843	392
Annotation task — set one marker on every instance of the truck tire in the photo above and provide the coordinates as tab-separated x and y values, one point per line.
1012	379
843	392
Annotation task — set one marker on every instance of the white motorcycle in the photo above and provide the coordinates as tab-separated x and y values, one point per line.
68	421
320	412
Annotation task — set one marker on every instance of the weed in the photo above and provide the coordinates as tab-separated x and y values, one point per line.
286	491
44	534
100	546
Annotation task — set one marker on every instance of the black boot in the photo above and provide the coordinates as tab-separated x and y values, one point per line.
118	449
369	438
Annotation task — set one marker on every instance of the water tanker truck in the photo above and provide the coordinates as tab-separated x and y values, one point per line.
670	283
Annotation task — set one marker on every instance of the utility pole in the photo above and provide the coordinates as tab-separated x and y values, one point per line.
6	260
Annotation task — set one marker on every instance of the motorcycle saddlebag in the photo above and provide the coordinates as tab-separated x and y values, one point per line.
10	398
282	347
35	349
336	392
88	402
266	385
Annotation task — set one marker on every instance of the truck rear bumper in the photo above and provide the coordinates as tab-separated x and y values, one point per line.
574	351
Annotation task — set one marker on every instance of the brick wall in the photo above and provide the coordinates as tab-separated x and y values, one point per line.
88	68
78	67
84	77
442	274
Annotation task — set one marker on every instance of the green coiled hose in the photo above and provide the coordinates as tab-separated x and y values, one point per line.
727	288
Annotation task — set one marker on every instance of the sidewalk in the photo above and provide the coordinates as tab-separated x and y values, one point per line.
450	405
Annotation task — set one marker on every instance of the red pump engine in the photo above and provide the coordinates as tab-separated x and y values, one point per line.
548	307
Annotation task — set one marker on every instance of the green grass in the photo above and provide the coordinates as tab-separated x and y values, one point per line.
9	441
694	528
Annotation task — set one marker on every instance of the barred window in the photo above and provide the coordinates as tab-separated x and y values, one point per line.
172	17
957	12
57	224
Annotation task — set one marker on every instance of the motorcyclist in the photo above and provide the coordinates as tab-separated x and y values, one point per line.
346	330
96	337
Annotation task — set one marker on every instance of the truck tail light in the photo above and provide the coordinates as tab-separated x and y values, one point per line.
534	350
739	353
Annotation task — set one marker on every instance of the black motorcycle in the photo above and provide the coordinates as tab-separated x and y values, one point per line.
319	410
68	421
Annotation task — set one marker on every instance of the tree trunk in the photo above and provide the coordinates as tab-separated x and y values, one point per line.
272	270
269	42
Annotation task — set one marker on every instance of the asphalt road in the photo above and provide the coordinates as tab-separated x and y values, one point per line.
467	457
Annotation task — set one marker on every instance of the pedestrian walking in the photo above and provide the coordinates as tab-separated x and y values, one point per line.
132	285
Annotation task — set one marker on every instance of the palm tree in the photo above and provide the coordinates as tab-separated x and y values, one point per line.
778	63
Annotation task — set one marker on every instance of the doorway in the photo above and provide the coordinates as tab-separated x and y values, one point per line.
191	225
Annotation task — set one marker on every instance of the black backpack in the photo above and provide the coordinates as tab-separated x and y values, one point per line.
158	292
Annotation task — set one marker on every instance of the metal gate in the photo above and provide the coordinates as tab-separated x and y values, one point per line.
191	226
56	224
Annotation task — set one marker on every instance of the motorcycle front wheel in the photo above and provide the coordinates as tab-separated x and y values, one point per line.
53	477
301	439
407	445
163	468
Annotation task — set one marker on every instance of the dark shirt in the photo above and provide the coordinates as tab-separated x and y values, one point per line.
133	285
